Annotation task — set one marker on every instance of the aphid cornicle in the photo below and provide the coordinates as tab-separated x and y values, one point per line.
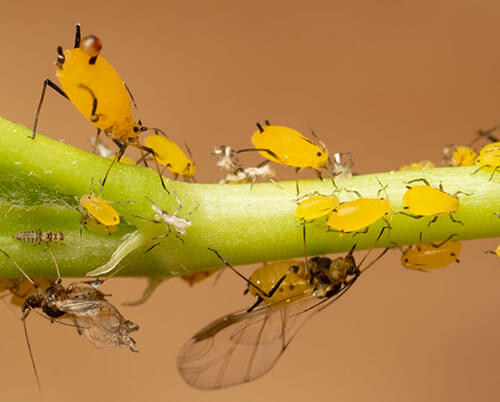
424	200
430	256
245	345
96	89
37	236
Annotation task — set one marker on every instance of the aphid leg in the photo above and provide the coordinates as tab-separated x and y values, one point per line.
433	220
421	179
455	220
248	281
493	173
258	301
25	316
409	215
478	169
305	248
358	194
46	83
360	232
441	243
55	263
297	180
153	154
461	192
116	158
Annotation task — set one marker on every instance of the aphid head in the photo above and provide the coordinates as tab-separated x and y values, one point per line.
91	45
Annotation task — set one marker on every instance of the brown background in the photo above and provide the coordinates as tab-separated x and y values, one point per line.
391	81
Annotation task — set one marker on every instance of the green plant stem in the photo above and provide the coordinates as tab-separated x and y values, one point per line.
40	179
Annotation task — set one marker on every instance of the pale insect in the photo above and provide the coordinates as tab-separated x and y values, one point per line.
250	174
84	305
226	158
37	237
179	224
341	165
245	345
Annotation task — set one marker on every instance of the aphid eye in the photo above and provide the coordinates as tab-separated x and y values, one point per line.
295	269
91	45
319	154
136	129
406	260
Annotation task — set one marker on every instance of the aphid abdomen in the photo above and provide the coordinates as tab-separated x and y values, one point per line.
429	201
358	214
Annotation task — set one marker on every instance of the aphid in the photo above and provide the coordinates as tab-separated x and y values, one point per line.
287	146
245	345
170	155
425	200
226	158
459	156
84	305
99	208
251	174
489	158
94	87
429	256
37	236
316	206
354	215
178	223
418	165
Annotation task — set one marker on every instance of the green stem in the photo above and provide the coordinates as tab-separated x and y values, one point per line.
39	181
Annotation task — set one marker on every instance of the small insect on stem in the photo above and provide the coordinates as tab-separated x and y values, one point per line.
37	237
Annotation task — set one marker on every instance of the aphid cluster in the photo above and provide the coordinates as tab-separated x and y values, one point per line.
241	346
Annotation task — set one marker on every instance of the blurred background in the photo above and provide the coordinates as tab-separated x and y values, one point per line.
390	81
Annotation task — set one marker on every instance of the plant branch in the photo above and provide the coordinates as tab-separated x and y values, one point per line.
40	179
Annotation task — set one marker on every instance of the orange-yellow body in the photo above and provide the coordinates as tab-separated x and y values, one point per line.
100	210
77	76
169	154
316	206
424	200
430	256
290	147
463	156
489	156
92	224
295	284
357	214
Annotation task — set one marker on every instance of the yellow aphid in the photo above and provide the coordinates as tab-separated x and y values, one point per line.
96	89
425	200
430	256
351	216
100	209
463	156
489	158
288	147
316	206
418	166
170	155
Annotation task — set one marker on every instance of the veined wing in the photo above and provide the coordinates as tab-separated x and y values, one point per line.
100	322
243	346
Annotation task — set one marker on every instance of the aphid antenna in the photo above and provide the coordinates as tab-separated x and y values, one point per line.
55	263
20	269
383	188
77	35
421	180
441	243
370	250
133	103
248	281
485	134
23	319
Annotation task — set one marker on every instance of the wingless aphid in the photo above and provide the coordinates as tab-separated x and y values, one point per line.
245	345
287	146
489	158
424	200
94	87
430	256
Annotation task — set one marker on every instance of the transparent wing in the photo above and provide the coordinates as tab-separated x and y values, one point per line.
242	346
99	322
